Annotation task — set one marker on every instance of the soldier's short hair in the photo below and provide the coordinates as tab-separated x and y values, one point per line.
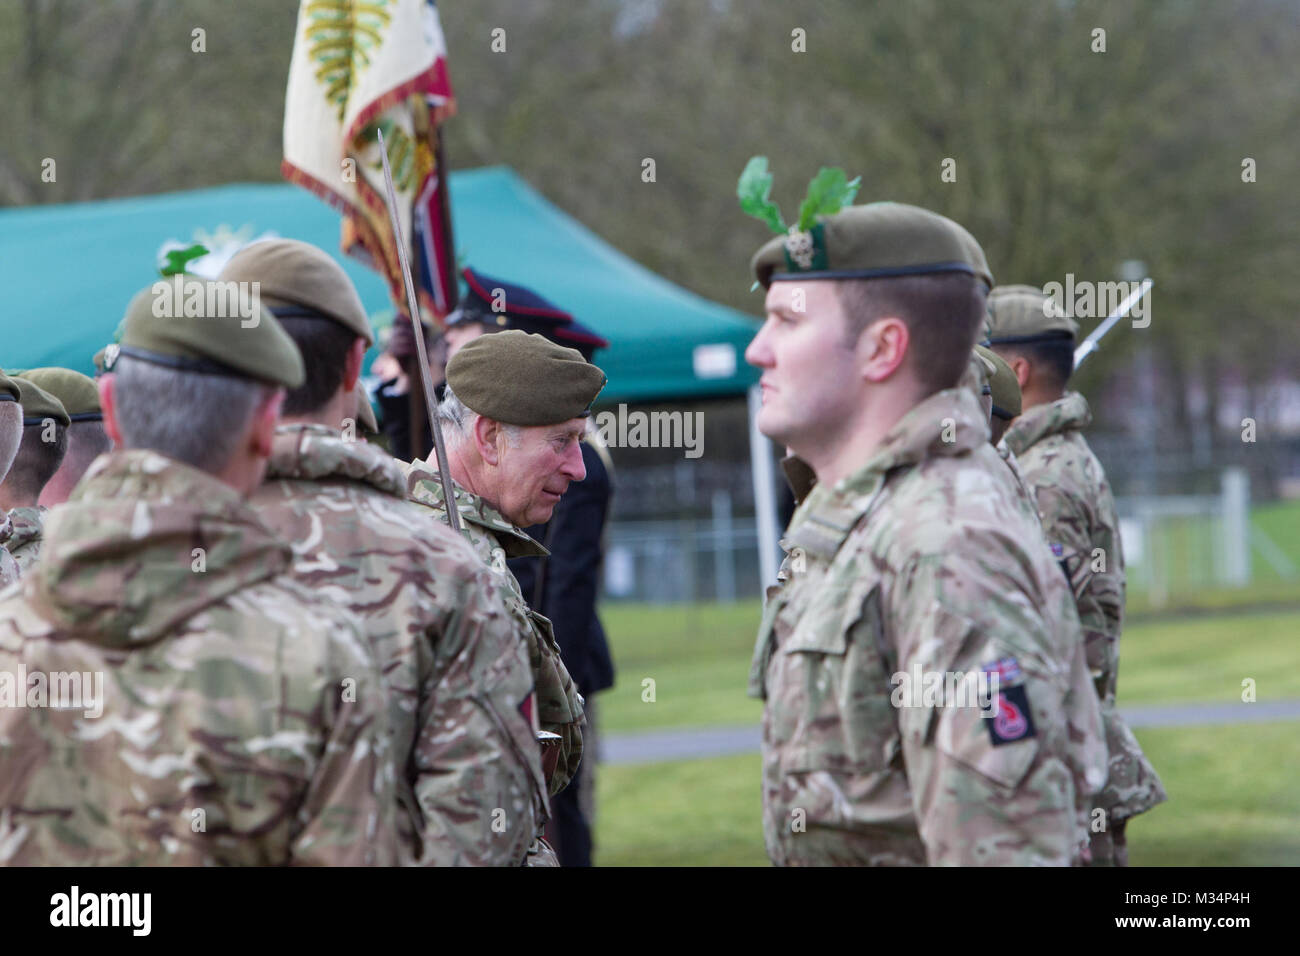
37	459
1052	358
943	313
457	420
192	417
11	434
86	441
324	345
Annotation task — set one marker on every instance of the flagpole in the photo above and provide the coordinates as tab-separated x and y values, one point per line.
417	327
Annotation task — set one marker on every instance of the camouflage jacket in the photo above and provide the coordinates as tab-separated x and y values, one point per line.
237	718
1078	514
494	539
9	571
921	563
26	534
1024	497
469	775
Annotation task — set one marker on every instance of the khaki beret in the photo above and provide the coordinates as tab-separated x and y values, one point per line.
521	378
38	404
8	389
1022	313
297	279
1003	384
198	325
77	392
878	240
366	420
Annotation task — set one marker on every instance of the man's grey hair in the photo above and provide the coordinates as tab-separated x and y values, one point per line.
194	418
457	421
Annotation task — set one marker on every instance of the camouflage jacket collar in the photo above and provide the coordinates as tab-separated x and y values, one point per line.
948	423
424	485
315	452
1069	413
26	525
144	543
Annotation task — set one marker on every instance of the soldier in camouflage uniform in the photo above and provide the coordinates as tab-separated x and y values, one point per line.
1079	517
237	718
11	436
909	553
44	443
469	775
513	413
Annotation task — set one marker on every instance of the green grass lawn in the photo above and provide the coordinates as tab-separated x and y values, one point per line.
1233	801
1234	795
698	657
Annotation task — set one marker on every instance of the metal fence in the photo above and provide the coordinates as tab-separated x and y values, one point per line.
1174	545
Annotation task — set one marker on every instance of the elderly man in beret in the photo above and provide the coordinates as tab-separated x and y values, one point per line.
513	415
45	441
87	439
563	585
910	557
243	721
11	436
1074	500
467	765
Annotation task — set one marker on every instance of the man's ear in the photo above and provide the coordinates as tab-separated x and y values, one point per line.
352	364
265	419
108	404
882	347
486	434
1020	365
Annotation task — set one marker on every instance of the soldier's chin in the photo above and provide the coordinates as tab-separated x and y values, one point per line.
772	426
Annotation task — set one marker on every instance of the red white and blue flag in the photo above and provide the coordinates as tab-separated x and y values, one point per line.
361	66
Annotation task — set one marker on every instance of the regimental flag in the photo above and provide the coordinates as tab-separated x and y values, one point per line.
359	65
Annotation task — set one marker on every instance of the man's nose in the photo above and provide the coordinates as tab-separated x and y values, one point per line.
757	353
573	467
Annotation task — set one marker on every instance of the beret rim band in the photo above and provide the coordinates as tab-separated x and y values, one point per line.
882	273
86	417
1051	335
6	397
200	365
35	420
1002	413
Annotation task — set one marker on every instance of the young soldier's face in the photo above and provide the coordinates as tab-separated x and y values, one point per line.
810	382
535	474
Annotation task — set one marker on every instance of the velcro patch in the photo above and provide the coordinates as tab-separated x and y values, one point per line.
1013	720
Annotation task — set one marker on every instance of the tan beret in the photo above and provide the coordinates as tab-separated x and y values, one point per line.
198	325
1003	384
1022	313
38	404
521	378
77	392
875	241
8	389
298	279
